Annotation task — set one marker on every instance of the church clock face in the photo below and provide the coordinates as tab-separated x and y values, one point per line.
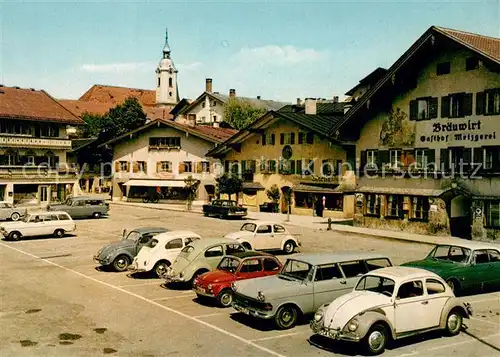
287	152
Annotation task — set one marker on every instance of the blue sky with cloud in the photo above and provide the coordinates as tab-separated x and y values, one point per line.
277	49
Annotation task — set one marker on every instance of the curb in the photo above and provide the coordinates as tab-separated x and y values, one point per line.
155	208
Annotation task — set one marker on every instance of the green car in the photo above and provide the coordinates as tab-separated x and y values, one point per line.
464	265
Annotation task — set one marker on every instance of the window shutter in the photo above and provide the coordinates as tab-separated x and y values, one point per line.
413	110
135	167
282	139
145	167
383	158
445	107
363	160
467	104
408	157
433	108
292	166
263	139
117	166
243	166
478	157
431	157
444	161
158	166
467	158
480	103
301	138
128	166
198	167
273	139
298	167
496	159
292	138
181	167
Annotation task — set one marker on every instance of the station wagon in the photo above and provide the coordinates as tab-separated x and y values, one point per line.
39	224
83	207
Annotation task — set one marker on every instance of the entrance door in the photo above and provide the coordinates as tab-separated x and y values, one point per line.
460	217
44	194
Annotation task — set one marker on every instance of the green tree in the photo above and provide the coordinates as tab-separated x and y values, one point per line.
123	118
273	193
240	113
191	188
92	126
287	196
229	184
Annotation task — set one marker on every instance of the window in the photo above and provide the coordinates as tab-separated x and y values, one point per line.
373	204
174	244
309	168
310	138
353	269
420	208
145	239
214	252
492	212
373	264
494	255
452	253
279	229
287	138
271	265
394	206
492	102
123	166
186	166
327	168
395	159
268	139
63	217
327	272
31	160
272	166
159	81
471	63
443	68
376	284
298	167
164	166
421	158
170	82
371	159
140	166
300	138
234	248
203	104
164	142
481	257
410	289
205	167
264	229
423	108
456	105
434	286
215	118
488	158
251	266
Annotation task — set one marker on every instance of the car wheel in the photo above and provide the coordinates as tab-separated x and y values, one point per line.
225	298
59	233
205	214
454	322
96	215
14	235
121	263
454	286
161	268
289	247
376	339
286	317
15	216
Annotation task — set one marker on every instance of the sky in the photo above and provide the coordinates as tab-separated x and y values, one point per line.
280	50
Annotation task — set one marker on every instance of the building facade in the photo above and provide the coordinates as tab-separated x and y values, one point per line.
288	148
427	139
159	156
34	141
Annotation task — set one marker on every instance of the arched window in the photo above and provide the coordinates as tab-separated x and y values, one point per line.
170	82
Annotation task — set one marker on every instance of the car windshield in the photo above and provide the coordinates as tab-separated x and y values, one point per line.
250	227
134	236
68	202
295	269
451	253
377	284
229	264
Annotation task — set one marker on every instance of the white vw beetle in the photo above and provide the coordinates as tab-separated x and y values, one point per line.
263	235
161	252
391	303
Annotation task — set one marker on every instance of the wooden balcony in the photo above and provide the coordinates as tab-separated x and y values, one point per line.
19	141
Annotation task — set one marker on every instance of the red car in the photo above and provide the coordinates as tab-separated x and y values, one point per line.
238	266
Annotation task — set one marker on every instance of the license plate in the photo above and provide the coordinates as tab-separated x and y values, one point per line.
200	289
243	310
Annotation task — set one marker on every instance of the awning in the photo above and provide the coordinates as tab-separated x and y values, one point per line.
315	189
252	186
155	183
401	191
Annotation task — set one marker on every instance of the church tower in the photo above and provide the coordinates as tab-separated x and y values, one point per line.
166	78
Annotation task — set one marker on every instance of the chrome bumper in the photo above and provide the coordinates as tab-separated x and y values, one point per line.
334	334
199	290
253	312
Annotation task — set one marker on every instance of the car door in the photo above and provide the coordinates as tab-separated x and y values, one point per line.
51	223
271	266
494	271
262	237
436	299
34	227
213	255
479	270
352	271
78	209
250	268
411	307
328	284
279	233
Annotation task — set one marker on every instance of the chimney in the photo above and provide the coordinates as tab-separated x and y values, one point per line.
232	93
208	85
335	99
299	102
347	106
310	106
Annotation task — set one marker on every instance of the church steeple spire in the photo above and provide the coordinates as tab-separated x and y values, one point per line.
166	78
166	48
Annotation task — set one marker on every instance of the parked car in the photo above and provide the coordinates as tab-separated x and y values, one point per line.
262	235
464	265
306	282
82	207
39	224
239	266
389	304
199	257
161	252
224	209
8	211
269	207
119	255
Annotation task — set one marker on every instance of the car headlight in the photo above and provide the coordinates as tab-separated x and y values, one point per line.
108	256
353	325
233	286
209	287
318	316
261	296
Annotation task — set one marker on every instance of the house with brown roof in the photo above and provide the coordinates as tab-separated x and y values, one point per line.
160	155
34	141
427	138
